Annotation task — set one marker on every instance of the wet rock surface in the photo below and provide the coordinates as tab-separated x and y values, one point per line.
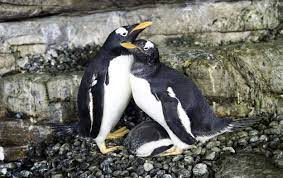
72	156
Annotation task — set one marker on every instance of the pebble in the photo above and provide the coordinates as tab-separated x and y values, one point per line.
57	176
9	165
177	158
212	144
84	160
253	139
273	124
242	134
189	159
3	171
243	142
25	173
147	166
197	151
77	143
263	138
200	169
216	149
166	176
184	173
229	149
253	132
210	156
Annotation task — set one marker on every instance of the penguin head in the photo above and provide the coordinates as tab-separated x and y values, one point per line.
124	33
144	51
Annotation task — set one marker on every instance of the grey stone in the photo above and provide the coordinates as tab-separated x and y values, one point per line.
196	151
25	173
177	158
41	96
212	144
254	139
64	87
247	165
57	176
263	138
242	134
200	169
166	176
242	19
242	142
210	156
229	149
253	132
18	9
3	171
148	166
7	63
189	159
215	149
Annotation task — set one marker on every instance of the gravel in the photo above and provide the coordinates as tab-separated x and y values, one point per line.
147	167
62	59
73	156
200	169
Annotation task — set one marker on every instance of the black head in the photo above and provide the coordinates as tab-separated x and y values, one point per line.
143	50
124	33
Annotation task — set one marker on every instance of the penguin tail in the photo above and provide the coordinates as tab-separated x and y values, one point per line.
64	129
240	124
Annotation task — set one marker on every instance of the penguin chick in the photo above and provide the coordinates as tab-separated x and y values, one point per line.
148	139
105	91
173	100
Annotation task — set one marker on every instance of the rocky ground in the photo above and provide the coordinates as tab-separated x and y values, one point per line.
252	152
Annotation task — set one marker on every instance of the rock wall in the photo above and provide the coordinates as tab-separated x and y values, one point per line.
231	49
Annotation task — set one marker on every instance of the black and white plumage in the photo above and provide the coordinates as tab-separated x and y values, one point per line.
148	139
105	91
172	99
2	155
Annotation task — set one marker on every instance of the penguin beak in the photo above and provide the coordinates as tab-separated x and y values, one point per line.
128	45
142	26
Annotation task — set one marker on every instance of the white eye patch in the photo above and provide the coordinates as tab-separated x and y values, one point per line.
121	31
148	45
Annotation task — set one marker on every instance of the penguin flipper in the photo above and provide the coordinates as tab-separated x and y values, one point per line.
170	112
90	104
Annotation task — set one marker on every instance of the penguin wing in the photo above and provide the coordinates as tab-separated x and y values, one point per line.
90	104
173	117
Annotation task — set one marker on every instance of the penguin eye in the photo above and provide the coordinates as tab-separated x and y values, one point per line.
121	31
124	34
148	45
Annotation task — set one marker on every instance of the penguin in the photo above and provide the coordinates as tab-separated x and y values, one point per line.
2	155
104	91
173	100
148	139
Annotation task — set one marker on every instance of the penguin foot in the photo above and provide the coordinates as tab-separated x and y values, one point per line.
172	151
104	150
118	133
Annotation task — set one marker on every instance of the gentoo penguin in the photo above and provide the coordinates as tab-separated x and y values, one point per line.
148	139
105	91
2	156
173	100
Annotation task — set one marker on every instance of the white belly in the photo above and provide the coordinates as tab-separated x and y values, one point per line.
116	94
148	103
